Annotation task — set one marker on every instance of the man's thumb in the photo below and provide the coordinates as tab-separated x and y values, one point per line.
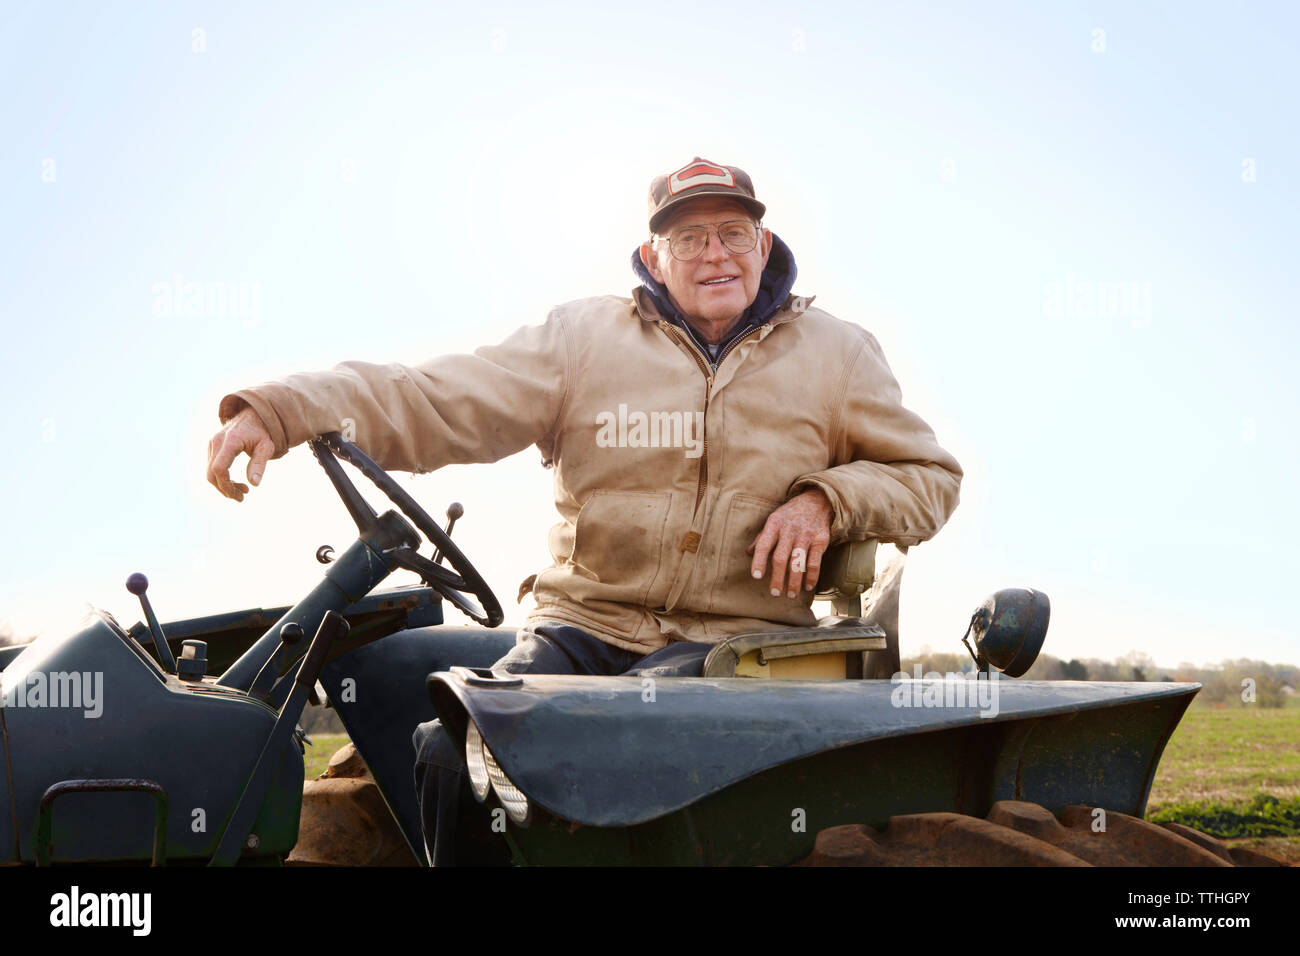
261	453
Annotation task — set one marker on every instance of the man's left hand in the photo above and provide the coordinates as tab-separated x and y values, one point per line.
801	527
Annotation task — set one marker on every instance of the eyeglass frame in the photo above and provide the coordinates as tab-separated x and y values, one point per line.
714	227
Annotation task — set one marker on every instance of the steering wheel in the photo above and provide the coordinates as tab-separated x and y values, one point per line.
454	584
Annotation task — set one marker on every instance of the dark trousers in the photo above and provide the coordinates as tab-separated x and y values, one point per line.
456	826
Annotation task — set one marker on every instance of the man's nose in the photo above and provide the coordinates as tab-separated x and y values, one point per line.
714	248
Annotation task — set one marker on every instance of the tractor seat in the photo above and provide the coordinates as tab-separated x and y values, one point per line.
834	649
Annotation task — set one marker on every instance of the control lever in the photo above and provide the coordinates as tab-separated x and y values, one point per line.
454	511
137	584
291	633
250	801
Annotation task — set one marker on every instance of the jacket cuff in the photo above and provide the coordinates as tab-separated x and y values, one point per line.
839	514
232	404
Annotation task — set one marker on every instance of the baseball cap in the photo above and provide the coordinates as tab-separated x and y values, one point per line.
700	177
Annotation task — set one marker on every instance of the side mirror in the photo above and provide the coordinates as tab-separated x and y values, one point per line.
1008	630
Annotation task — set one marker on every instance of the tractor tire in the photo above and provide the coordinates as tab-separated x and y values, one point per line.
1025	834
345	821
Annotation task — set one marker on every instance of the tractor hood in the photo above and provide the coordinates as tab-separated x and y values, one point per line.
617	751
92	708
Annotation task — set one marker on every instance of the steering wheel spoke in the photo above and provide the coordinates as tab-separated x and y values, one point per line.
433	574
454	583
357	506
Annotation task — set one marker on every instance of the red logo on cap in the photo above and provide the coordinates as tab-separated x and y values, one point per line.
700	173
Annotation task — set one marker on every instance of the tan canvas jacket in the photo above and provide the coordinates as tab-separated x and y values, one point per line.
665	470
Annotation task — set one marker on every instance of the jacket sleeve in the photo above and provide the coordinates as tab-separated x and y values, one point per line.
891	480
455	409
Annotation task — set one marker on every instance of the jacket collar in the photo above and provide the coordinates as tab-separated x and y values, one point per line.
770	304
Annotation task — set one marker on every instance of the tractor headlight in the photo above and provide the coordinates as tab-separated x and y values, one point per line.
485	772
1009	629
511	797
476	758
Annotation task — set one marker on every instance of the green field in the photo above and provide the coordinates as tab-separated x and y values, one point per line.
1220	770
1229	755
318	754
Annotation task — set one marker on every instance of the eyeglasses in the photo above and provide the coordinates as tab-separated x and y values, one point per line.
738	235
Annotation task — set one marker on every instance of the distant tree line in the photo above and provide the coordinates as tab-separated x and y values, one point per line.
1232	683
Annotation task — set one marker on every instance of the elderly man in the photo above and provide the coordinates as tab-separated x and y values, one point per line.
711	436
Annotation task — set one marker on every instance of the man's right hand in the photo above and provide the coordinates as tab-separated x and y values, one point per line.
243	433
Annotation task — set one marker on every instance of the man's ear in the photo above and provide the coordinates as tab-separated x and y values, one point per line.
767	245
650	259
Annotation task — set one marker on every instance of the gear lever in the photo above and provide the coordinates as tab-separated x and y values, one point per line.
454	511
137	584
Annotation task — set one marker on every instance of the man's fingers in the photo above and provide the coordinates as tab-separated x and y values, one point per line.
219	469
761	547
795	537
245	433
811	572
798	565
805	562
212	454
262	453
780	559
815	553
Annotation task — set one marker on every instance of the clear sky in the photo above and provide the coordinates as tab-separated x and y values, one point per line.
1072	228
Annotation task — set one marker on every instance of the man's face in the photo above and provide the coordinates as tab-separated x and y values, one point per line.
718	304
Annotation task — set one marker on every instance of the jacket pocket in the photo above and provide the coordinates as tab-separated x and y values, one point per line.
619	542
735	590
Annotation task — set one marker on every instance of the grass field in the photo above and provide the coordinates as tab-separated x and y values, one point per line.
1227	756
319	753
1219	761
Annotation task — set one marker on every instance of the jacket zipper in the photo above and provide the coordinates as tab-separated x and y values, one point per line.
727	350
708	394
692	540
708	390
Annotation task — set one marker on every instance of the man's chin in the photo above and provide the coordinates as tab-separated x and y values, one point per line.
722	315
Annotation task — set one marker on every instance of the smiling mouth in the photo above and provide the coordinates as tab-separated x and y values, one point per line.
720	280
